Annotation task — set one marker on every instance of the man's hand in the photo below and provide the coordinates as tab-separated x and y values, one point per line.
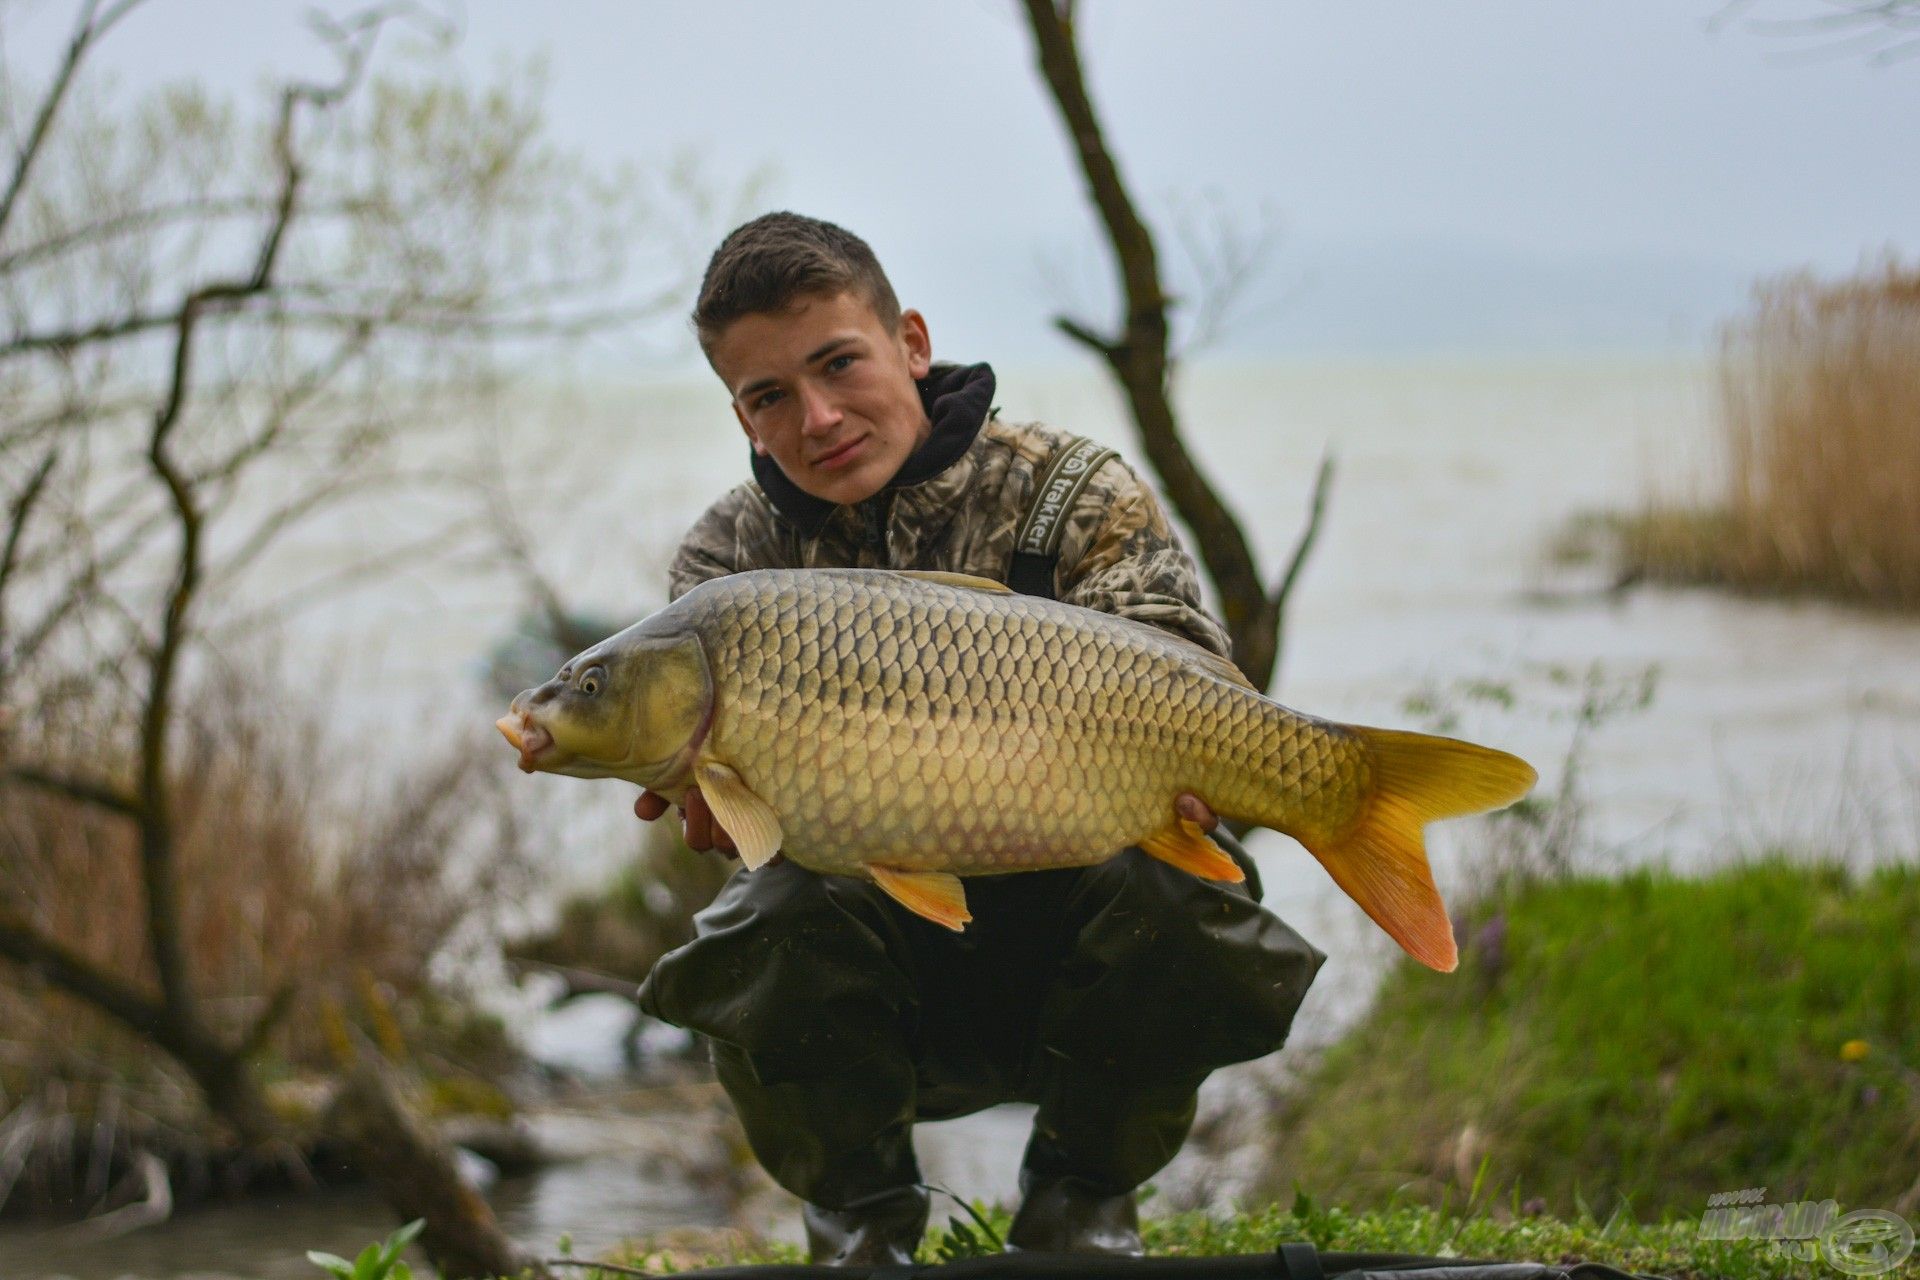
697	823
1196	810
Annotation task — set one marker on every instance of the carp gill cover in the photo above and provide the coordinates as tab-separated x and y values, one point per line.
913	728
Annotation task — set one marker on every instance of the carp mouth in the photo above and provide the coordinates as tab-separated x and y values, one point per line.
527	737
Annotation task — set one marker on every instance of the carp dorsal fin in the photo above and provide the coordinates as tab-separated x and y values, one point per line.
965	581
751	821
1197	653
933	895
1213	662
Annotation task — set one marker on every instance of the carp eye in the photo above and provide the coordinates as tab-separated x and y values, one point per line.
591	679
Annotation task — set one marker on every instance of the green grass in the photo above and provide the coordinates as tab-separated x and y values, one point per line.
1670	1249
1638	1043
1610	1053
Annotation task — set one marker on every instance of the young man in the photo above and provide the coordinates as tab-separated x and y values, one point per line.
836	1019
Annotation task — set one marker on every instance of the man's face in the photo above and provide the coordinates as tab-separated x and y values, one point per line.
826	392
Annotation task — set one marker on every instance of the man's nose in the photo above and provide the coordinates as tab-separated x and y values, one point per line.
820	414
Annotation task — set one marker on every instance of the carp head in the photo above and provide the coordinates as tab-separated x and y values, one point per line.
635	706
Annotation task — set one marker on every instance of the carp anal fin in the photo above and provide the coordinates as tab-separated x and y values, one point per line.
751	821
964	581
1186	846
935	895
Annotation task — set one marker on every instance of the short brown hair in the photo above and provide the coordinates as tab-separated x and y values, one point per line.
770	263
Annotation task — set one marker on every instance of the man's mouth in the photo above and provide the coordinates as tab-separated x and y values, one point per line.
841	455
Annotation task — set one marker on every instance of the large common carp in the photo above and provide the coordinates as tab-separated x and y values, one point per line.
912	728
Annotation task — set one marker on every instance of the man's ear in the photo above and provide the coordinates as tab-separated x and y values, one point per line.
752	439
919	347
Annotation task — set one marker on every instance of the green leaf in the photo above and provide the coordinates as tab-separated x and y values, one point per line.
339	1266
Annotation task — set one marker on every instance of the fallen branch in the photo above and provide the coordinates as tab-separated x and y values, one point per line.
418	1178
154	1206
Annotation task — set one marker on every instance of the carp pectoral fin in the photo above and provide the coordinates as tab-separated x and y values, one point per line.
1186	846
936	895
965	581
751	821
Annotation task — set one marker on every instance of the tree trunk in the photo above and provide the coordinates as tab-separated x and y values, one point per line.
1139	361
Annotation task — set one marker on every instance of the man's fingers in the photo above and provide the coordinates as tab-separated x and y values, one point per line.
649	806
1196	810
699	821
700	818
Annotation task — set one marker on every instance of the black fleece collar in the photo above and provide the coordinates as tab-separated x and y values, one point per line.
956	398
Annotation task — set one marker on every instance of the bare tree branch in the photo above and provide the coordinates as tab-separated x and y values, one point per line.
17	517
1139	356
1888	29
139	222
91	27
98	794
67	969
1106	349
1316	510
208	301
156	825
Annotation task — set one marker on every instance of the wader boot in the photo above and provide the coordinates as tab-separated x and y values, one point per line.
879	1231
1094	1140
1072	1215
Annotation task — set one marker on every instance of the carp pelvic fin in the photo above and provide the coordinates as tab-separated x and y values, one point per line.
1186	846
1381	858
965	581
935	895
751	821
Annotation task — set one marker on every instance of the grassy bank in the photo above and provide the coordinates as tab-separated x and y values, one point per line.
1818	454
1638	1044
1672	1249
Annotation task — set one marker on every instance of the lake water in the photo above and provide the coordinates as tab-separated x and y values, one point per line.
1771	723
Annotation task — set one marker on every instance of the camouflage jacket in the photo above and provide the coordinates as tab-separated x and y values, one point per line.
956	506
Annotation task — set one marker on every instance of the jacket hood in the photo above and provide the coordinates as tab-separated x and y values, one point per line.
957	398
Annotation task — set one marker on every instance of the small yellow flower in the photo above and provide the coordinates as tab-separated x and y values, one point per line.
1853	1051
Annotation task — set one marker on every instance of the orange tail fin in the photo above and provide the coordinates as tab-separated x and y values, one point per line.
1380	859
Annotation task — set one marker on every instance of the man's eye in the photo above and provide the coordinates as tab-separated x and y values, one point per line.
838	363
765	399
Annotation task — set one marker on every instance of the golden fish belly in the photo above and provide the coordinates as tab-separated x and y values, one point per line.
932	728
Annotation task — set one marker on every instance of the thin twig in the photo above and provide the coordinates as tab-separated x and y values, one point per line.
17	519
89	29
1317	508
615	1267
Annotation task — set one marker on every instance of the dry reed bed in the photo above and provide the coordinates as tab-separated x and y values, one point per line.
1818	490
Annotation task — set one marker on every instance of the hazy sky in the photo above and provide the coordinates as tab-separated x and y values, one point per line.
1478	175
